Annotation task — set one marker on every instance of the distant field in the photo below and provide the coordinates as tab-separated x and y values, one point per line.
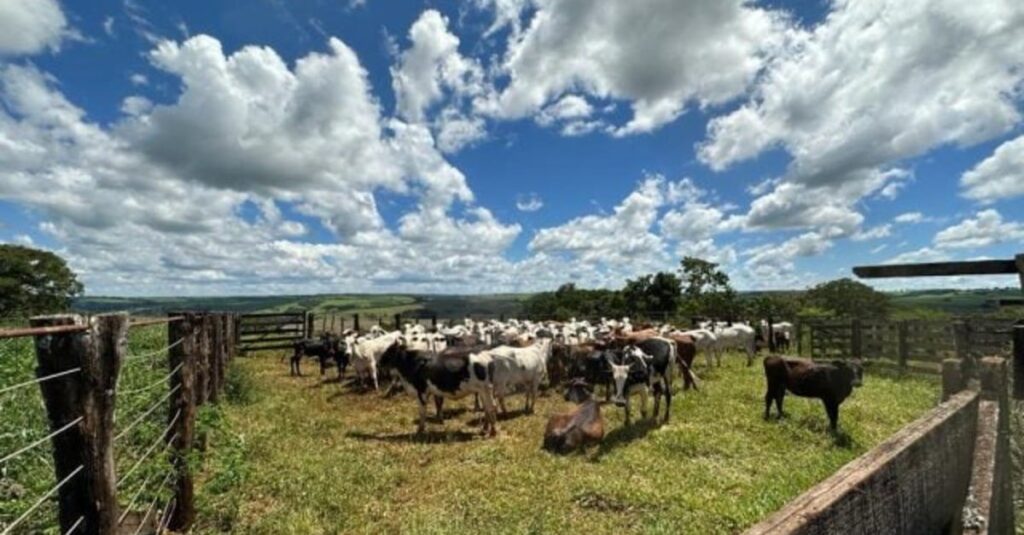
372	306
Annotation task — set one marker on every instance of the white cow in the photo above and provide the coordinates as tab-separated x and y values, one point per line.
519	366
366	353
738	336
706	342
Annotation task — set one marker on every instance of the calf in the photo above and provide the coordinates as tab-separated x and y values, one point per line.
581	426
451	374
832	383
326	348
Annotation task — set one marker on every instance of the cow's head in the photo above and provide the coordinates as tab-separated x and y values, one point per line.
628	373
852	371
579	391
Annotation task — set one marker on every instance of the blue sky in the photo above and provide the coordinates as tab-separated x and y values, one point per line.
507	145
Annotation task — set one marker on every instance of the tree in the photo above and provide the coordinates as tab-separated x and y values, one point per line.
653	295
778	306
849	299
706	289
34	282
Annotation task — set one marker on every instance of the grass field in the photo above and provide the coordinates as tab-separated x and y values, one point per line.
300	456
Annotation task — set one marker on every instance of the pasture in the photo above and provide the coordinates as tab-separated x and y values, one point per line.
295	455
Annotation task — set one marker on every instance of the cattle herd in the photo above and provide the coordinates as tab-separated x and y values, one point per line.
494	359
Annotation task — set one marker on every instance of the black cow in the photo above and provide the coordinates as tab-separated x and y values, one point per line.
646	366
592	366
325	348
832	383
451	374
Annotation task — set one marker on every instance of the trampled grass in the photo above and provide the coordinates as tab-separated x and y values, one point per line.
309	457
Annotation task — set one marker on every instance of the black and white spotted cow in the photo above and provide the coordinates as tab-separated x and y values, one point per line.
645	367
453	373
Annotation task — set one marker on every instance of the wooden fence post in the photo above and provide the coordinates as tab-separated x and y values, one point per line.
398	322
856	339
216	358
433	321
1018	360
355	322
202	358
902	347
952	378
308	329
183	404
83	454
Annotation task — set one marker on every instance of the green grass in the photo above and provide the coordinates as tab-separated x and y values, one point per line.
305	457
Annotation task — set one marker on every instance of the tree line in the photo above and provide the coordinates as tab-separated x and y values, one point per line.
701	289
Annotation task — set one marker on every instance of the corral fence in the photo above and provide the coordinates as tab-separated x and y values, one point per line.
905	342
122	424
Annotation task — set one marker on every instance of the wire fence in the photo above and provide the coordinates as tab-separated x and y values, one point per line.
144	422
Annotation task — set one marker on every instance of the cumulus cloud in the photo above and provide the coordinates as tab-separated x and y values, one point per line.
876	83
874	233
703	52
910	218
985	228
29	27
1000	176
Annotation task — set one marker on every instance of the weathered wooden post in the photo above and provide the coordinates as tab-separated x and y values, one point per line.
1018	360
309	319
182	407
902	347
433	321
203	358
355	322
81	406
398	321
856	339
216	357
952	378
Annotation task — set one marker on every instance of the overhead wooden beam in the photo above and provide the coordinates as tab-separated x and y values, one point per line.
941	269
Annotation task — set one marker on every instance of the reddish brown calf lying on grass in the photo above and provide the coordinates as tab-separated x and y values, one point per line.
575	429
832	383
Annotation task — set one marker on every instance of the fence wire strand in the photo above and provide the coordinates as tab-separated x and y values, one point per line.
152	505
75	525
41	501
67	426
142	416
154	384
153	446
150	354
38	380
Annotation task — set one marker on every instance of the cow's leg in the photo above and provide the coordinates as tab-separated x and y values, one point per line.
668	394
769	396
422	426
373	376
439	405
780	396
657	399
644	393
490	414
832	408
476	403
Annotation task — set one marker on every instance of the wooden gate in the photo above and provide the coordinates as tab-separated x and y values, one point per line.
272	330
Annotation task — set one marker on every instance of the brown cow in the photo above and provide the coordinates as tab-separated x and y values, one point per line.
575	429
832	383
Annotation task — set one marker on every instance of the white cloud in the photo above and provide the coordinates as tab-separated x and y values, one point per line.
874	233
108	26
876	83
431	66
30	26
660	55
139	79
529	203
924	254
910	218
1000	176
985	228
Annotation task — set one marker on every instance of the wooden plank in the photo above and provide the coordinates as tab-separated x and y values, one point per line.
266	348
249	343
938	269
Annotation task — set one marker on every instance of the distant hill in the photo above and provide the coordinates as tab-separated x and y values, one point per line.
458	306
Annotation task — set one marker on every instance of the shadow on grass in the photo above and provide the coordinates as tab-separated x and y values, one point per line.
623	435
428	437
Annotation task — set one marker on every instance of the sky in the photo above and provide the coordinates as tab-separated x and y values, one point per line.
316	146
